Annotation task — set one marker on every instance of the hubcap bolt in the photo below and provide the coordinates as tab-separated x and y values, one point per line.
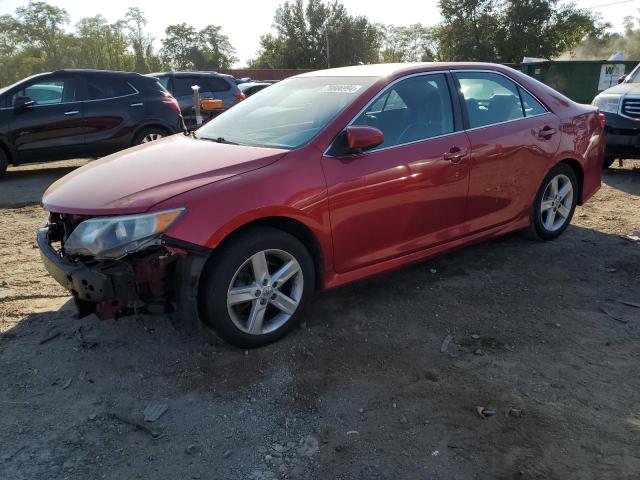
273	297
263	301
264	282
275	284
258	293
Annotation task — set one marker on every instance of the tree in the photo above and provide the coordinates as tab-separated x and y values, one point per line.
178	45
317	35
42	26
467	33
541	28
185	48
414	43
216	48
140	41
508	30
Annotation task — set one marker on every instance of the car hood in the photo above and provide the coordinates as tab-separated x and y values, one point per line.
623	89
134	180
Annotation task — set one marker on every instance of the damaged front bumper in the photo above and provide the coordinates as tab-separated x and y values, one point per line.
160	279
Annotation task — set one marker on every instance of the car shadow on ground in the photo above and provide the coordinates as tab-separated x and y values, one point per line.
624	179
25	184
369	386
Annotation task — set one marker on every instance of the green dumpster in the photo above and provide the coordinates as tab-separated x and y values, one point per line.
580	80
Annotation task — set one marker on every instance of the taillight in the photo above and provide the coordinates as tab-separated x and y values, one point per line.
240	96
173	104
602	118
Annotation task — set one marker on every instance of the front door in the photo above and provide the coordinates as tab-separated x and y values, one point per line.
53	125
408	193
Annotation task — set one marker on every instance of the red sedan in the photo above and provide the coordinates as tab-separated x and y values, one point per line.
317	181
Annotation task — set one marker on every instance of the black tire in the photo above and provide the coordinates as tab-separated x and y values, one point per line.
608	161
224	266
142	135
4	163
537	229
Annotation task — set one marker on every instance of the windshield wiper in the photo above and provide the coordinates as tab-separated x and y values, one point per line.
222	140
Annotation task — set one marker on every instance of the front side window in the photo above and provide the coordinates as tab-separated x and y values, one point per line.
489	98
49	92
101	88
287	114
411	110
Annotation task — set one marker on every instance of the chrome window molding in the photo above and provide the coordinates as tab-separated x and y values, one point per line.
387	87
134	93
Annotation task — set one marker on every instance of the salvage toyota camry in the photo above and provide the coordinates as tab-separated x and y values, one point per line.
315	182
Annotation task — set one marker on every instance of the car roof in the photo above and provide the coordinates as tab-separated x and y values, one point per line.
393	69
91	71
197	73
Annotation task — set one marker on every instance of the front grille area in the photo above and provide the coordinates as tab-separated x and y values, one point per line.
631	107
61	225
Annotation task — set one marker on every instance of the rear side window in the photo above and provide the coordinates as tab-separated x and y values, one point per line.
164	81
531	105
182	85
411	110
489	98
99	88
217	84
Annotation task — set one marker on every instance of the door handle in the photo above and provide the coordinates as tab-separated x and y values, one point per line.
455	155
139	104
72	112
545	133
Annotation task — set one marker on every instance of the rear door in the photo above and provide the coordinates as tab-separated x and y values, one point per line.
410	192
113	107
53	126
513	140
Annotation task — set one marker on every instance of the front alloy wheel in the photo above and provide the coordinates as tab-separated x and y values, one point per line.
256	286
265	292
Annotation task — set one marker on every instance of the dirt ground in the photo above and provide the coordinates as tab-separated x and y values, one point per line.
543	335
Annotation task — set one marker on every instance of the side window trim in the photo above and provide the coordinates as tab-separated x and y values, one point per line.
518	86
387	89
133	93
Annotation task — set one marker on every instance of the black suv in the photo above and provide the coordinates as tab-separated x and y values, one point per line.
212	85
621	107
82	113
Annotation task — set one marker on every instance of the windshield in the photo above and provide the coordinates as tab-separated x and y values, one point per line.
287	114
634	77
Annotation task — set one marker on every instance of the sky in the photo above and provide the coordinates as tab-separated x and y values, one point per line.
245	21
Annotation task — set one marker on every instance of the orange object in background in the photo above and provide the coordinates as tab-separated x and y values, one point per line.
209	104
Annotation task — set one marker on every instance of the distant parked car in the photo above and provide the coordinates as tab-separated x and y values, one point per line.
82	113
212	85
621	107
249	88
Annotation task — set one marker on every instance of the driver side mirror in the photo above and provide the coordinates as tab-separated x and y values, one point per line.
20	104
361	138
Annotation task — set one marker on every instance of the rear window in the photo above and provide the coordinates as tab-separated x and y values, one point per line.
217	84
104	87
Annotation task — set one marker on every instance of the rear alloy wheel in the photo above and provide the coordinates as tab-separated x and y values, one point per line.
555	203
257	286
149	135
